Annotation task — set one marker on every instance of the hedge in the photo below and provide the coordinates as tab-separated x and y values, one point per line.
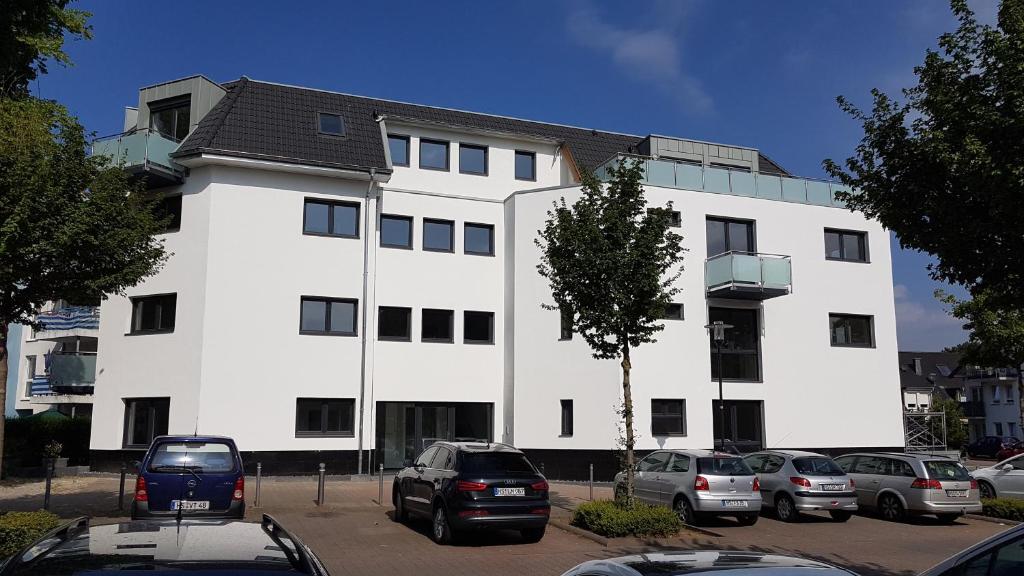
1003	508
25	438
19	529
611	519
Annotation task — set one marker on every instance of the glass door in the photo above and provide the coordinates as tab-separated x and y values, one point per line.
743	426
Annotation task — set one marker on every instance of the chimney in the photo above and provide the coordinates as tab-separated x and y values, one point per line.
917	366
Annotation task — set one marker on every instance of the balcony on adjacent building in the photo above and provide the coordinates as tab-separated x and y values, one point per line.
973	409
142	153
748	276
67	374
68	321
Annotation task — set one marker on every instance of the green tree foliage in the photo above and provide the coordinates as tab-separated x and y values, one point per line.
956	430
612	264
32	32
945	168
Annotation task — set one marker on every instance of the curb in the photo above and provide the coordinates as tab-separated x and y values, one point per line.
992	519
579	532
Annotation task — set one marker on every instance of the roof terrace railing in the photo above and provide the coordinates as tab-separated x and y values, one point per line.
138	148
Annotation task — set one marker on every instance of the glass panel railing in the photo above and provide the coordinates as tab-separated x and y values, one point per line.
718	270
742	183
746	268
761	270
689	176
136	148
838	188
818	193
72	370
794	190
660	173
769	187
160	149
776	272
716	180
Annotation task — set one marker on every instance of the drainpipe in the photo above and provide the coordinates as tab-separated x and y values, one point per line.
366	312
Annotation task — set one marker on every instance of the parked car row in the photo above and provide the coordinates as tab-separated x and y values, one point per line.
992	447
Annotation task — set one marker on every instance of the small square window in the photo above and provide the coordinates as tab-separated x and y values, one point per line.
324	416
438	235
472	159
331	124
674	312
395	231
668	417
478	327
433	154
437	325
144	420
526	165
849	330
846	245
328	316
566	417
399	148
325	218
675	218
153	314
479	239
394	323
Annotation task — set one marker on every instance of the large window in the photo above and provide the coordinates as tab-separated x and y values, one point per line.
325	218
394	323
473	159
144	419
668	417
399	148
324	416
153	314
169	207
478	327
566	417
438	325
328	316
170	117
851	330
846	245
479	239
395	231
433	154
438	235
526	165
330	124
741	349
726	235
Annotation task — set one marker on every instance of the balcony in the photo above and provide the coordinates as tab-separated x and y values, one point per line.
686	176
748	276
973	409
143	154
68	321
67	374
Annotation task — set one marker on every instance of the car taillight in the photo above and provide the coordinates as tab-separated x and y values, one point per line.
800	481
757	485
140	490
701	483
473	513
540	486
931	484
463	486
974	484
541	511
852	484
239	488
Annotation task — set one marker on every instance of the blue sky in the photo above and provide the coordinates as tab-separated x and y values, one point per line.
754	73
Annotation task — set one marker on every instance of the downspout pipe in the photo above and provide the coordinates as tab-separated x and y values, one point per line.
366	313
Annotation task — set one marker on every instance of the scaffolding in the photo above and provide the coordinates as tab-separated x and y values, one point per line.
925	431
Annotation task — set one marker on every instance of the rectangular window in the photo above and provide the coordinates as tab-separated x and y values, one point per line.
999	428
566	417
170	207
526	165
668	417
477	327
170	117
153	314
394	323
438	235
741	349
725	235
325	218
851	330
144	419
438	325
846	245
324	416
395	231
334	316
330	124
565	324
399	148
433	154
478	239
472	159
674	312
675	218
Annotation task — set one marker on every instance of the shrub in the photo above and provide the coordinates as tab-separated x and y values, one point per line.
19	529
612	519
1004	508
25	439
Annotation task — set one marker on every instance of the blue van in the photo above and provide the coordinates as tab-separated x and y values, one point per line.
195	476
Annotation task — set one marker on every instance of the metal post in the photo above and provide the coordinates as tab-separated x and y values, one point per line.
259	477
591	480
320	486
120	493
49	476
380	485
721	398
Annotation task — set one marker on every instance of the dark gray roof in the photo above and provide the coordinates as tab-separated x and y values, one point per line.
276	122
940	369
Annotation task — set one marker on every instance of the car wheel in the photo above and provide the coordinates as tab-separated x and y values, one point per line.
684	510
947	518
401	513
785	509
986	490
840	515
891	508
440	530
747	519
532	535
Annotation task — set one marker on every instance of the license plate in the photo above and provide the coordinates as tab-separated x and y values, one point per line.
190	504
510	491
734	503
956	493
833	487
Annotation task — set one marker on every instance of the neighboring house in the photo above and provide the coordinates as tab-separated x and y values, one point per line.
353	278
998	391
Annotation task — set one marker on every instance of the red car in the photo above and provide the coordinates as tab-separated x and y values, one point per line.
1009	451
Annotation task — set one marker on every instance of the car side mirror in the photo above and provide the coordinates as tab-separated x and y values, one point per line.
407	463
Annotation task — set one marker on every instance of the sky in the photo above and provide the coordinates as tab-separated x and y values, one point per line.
751	73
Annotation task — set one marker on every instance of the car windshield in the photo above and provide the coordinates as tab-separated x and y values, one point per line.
496	463
817	466
728	466
945	470
194	456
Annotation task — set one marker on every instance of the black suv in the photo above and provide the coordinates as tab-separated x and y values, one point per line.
465	486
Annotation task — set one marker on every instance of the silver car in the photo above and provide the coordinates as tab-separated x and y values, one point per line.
706	562
697	483
1000	555
793	482
897	484
1002	480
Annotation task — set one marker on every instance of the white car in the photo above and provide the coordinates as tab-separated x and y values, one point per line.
1002	480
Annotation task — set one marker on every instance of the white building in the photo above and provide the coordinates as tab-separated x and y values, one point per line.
352	273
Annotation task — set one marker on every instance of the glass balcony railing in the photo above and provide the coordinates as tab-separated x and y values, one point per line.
68	371
748	276
140	149
686	176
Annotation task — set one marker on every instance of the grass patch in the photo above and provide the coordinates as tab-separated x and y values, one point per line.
1003	508
19	529
612	519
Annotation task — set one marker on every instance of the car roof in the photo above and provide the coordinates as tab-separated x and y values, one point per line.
479	446
908	455
703	561
698	453
193	438
794	453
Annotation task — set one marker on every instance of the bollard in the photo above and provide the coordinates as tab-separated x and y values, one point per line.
259	476
320	487
591	480
120	492
49	476
380	485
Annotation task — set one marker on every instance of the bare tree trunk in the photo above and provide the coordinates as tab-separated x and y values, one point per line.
627	413
3	391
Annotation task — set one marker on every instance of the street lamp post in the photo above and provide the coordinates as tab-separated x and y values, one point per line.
717	330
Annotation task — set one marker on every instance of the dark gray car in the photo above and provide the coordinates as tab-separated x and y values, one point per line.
793	482
721	563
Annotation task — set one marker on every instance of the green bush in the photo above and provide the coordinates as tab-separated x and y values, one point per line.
611	519
25	440
19	529
1004	508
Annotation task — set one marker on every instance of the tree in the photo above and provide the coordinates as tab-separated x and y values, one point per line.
32	31
955	431
71	227
943	170
611	265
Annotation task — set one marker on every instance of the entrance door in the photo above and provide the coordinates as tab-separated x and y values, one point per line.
405	429
743	428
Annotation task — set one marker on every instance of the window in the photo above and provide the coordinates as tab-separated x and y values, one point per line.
472	159
334	316
1003	560
674	312
729	236
443	460
1009	396
438	325
210	457
324	218
678	463
566	417
433	154
31	362
999	428
324	416
395	231
741	349
152	314
653	462
1011	429
170	118
846	245
526	165
565	324
668	417
477	327
399	148
394	323
438	235
170	207
144	419
478	239
330	124
851	331
424	459
675	218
